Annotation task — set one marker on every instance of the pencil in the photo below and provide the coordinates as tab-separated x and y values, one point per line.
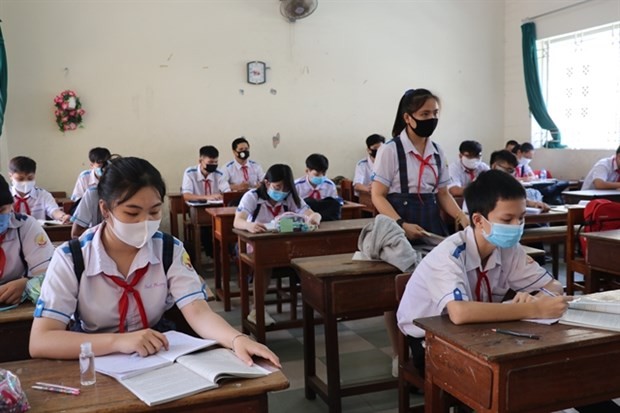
515	333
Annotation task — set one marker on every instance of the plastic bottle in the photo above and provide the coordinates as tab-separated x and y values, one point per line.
543	174
87	365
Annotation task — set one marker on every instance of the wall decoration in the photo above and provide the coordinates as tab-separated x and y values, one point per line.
68	111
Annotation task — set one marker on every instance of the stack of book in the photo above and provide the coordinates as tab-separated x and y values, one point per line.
597	310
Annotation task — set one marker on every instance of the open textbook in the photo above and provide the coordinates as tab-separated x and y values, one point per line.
597	310
173	374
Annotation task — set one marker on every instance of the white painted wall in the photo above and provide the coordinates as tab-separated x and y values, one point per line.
573	164
159	79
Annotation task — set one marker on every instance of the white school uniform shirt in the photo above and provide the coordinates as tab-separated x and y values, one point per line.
87	214
454	264
459	175
234	173
250	200
97	296
41	203
606	169
363	172
386	170
35	245
327	188
86	179
194	181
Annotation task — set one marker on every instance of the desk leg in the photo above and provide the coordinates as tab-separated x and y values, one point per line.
243	287
259	302
555	254
434	397
197	260
225	268
309	350
333	364
217	265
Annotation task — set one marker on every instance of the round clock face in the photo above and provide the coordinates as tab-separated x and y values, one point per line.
256	73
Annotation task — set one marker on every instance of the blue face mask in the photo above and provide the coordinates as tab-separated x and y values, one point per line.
4	222
99	171
277	196
503	235
317	180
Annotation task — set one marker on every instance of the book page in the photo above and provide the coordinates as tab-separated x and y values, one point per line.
167	384
220	363
607	321
181	343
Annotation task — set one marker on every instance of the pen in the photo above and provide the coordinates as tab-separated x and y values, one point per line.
550	293
41	383
61	389
515	333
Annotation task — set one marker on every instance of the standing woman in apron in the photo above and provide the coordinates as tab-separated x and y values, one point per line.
410	175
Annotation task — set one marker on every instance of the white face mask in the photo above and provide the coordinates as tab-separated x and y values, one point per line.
136	234
525	161
23	186
470	163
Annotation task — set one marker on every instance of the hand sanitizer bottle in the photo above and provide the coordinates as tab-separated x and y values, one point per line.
87	365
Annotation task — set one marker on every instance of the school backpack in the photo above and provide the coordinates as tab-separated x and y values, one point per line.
329	208
599	215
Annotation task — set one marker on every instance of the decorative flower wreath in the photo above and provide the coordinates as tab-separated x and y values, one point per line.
68	111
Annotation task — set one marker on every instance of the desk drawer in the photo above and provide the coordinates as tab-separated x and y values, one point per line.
363	294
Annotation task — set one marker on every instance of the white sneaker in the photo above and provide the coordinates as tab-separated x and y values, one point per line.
395	366
269	321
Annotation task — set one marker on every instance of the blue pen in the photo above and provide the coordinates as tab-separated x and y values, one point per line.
550	293
458	296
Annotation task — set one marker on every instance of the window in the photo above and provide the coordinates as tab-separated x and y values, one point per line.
580	81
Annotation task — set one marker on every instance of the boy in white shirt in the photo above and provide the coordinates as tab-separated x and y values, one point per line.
363	169
605	174
468	274
90	177
315	184
243	173
29	199
467	168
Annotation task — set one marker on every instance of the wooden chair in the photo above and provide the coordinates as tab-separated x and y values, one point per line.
346	190
408	376
232	198
553	236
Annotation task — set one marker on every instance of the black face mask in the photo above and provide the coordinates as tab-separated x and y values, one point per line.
425	128
243	154
373	153
211	168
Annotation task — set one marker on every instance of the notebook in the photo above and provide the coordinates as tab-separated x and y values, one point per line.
205	203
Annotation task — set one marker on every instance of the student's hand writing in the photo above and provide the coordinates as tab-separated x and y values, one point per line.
11	292
255	227
65	218
245	348
522	297
144	342
413	231
551	307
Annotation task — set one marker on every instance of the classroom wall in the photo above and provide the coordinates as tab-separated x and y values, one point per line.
159	79
573	164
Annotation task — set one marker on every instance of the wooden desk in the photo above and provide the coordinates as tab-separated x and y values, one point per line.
271	250
176	207
573	197
339	288
569	366
107	395
223	219
602	254
198	218
60	232
366	200
549	217
15	327
351	210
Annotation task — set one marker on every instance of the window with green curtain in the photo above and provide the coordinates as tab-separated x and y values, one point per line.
537	105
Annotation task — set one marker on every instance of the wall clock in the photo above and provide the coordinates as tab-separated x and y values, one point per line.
256	72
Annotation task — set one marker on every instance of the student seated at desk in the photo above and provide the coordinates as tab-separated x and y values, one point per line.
243	173
29	199
124	263
25	249
467	168
511	144
363	169
468	274
275	196
605	174
524	154
315	184
90	177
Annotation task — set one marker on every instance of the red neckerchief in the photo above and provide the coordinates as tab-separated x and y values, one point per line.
275	211
315	194
19	201
123	302
423	163
207	187
246	175
482	277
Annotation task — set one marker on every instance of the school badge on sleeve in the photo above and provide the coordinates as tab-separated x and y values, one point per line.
187	262
40	240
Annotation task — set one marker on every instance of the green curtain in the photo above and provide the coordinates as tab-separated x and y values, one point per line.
4	79
538	108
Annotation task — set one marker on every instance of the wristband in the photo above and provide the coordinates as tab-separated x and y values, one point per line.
400	222
232	343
